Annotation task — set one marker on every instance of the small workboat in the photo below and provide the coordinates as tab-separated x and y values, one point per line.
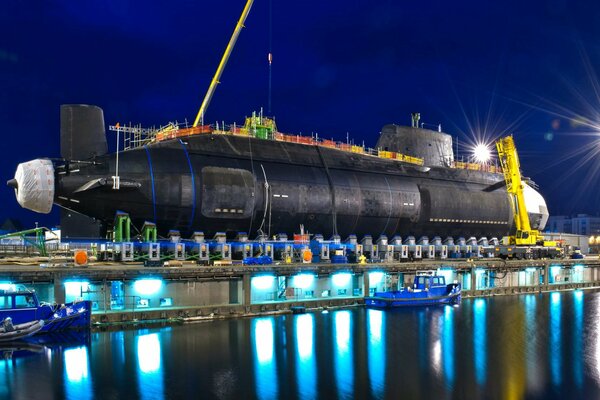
22	306
10	332
426	291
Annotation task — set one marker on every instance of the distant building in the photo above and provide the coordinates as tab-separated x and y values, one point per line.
582	224
559	224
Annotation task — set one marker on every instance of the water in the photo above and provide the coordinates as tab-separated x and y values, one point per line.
532	346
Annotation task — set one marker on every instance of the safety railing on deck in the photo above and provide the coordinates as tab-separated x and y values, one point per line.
179	130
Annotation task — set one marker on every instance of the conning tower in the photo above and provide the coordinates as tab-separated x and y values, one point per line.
434	147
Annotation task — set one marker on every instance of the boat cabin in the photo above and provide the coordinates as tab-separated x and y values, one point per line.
17	299
21	305
423	282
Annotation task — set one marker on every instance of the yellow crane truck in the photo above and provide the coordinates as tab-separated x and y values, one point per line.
525	243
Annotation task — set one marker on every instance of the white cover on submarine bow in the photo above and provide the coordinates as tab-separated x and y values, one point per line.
536	207
35	181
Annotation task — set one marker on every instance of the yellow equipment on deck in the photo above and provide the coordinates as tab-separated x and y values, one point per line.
509	160
215	80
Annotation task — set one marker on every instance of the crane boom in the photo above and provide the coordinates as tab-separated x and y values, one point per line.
221	67
509	160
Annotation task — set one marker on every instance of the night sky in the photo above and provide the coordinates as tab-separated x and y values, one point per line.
482	70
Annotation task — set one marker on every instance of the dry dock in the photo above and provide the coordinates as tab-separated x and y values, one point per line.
127	293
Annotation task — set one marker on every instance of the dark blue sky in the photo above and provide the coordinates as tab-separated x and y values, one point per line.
528	67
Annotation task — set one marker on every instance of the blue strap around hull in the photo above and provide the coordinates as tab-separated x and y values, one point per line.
152	182
187	156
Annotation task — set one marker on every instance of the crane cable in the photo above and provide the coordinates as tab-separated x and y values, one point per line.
270	57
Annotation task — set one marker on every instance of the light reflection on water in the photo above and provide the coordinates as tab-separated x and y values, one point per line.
534	379
480	339
448	344
376	352
344	376
265	366
306	377
555	338
150	379
578	337
533	346
78	385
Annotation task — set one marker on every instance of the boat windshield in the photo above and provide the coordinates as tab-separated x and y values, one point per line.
438	281
5	302
24	301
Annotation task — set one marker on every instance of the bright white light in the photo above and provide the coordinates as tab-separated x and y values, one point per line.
342	279
76	288
263	282
304	281
530	270
375	277
482	153
147	286
9	287
446	273
578	267
148	352
554	271
76	364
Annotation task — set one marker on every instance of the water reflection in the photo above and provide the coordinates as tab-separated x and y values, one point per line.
376	352
448	344
344	376
150	379
533	370
77	383
555	336
578	337
306	377
265	367
480	339
532	346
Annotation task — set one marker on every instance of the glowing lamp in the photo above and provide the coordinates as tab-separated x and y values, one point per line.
375	277
263	282
147	286
303	281
341	279
482	153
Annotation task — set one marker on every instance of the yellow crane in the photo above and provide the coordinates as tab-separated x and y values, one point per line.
221	67
524	235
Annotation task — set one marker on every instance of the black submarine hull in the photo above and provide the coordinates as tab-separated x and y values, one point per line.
224	183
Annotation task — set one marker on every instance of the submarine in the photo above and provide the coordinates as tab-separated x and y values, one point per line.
216	182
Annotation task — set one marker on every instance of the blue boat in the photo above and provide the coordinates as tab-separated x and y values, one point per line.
426	291
22	306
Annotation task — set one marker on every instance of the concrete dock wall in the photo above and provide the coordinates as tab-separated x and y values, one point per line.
127	293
